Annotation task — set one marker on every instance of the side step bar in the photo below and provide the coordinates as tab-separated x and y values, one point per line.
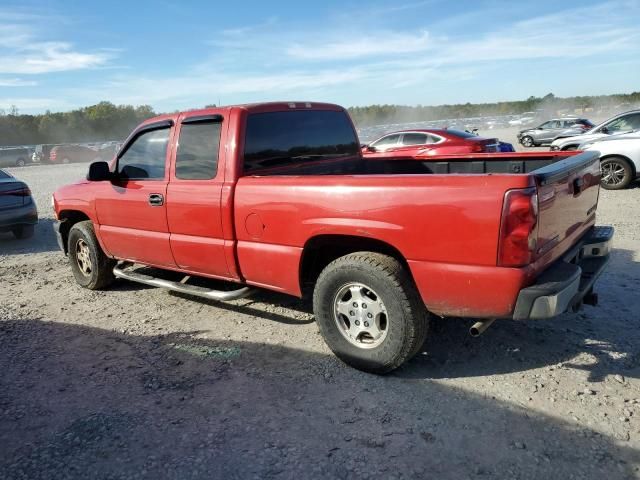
221	295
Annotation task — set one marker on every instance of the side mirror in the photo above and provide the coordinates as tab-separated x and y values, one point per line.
98	172
370	148
604	130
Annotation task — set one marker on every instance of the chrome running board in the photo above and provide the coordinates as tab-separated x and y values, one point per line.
221	295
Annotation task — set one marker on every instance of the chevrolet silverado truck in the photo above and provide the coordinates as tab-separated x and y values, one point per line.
278	196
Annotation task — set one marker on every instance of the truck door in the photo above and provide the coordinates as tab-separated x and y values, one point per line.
131	209
194	196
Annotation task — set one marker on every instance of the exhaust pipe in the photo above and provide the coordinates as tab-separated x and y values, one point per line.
478	328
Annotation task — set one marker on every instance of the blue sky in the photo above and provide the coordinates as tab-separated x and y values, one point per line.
62	54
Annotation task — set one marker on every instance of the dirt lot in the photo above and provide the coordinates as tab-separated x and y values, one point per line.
137	382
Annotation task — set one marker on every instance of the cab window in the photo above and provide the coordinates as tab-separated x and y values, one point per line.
145	158
197	155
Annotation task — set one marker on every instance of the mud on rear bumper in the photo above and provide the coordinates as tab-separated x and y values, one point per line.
566	283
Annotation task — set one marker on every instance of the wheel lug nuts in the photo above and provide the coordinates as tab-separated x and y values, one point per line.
351	313
355	304
364	305
358	322
369	315
366	324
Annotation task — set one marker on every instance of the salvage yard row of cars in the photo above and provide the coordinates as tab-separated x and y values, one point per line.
617	140
68	153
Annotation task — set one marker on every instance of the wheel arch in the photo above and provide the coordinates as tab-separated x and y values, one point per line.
68	218
320	250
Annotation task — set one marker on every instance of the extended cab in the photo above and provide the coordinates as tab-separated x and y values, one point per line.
278	196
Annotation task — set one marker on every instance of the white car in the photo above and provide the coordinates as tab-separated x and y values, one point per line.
619	159
623	123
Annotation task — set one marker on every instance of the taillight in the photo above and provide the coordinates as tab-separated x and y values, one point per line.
477	147
518	228
18	192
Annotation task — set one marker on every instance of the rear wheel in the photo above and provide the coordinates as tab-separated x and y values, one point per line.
617	173
91	268
527	141
20	162
369	311
23	231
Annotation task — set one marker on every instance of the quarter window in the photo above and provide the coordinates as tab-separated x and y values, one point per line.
197	155
146	157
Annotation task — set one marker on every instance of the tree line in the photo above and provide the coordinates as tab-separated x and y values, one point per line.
106	121
101	122
549	104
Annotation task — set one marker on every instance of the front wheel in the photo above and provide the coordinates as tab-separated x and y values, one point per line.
527	141
616	173
20	162
369	312
91	268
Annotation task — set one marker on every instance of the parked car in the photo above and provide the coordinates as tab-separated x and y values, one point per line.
72	154
619	159
41	153
524	119
548	131
18	212
278	196
14	156
429	142
622	123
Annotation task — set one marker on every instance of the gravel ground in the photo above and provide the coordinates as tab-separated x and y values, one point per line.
138	382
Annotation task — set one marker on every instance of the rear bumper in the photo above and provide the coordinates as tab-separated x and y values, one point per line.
568	281
23	215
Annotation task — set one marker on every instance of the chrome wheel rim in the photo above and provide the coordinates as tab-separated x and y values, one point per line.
527	142
360	315
613	173
83	258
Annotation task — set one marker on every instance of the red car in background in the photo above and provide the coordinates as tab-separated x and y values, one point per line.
417	143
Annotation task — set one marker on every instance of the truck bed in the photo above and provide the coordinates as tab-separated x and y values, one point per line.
447	226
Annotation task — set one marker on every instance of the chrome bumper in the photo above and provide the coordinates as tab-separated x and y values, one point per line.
566	283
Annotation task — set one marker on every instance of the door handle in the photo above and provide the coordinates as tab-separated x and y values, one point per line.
156	199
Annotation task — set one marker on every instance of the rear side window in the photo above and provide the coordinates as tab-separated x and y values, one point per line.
145	158
197	156
297	137
414	139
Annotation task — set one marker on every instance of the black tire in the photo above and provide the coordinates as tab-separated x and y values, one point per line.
617	173
20	162
406	320
83	245
527	141
24	231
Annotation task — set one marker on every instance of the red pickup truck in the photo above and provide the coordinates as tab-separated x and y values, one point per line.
278	196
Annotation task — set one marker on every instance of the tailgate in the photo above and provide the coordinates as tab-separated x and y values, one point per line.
567	200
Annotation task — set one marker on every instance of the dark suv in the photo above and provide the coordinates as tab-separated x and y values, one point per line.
545	133
14	157
72	154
